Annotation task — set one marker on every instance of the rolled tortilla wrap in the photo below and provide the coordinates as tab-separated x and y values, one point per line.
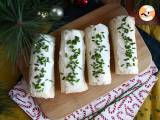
72	61
124	43
41	74
98	54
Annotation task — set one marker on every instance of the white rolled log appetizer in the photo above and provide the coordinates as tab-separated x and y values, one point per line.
124	43
41	73
72	61
98	54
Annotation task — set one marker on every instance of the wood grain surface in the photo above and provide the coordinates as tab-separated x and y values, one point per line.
64	104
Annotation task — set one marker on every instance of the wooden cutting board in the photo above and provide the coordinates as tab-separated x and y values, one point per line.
64	104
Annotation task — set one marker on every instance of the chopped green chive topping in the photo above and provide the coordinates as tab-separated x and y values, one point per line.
42	60
98	62
73	63
39	86
123	30
40	45
39	65
124	19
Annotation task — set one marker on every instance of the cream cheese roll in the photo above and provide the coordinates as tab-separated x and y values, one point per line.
98	54
72	61
124	43
41	72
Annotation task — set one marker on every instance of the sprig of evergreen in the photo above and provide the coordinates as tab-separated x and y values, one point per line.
20	25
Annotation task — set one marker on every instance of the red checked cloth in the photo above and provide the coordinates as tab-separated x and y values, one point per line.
126	108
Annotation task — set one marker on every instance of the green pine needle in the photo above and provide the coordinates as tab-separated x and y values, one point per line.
20	25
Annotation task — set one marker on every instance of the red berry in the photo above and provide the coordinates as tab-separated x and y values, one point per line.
81	3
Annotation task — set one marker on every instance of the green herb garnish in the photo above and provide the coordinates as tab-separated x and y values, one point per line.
73	61
125	28
38	86
98	62
41	62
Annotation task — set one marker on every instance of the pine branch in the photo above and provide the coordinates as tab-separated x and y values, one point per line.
20	25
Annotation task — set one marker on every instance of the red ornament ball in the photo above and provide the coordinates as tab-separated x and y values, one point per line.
81	3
